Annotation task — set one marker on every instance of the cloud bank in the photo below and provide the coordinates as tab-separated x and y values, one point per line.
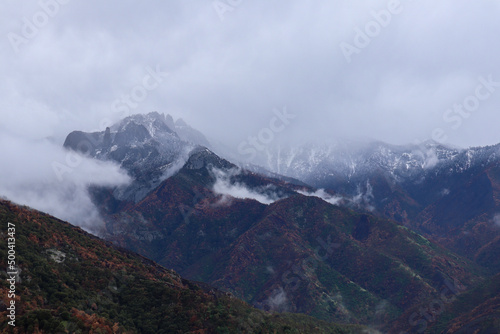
44	176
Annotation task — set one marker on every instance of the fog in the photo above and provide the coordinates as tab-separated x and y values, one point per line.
397	71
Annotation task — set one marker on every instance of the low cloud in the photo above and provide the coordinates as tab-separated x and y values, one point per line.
174	167
278	301
364	197
224	185
431	159
371	331
496	220
321	193
44	176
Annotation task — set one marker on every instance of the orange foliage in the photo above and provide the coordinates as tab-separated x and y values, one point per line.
94	322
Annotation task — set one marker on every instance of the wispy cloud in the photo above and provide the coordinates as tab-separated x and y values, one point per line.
321	193
226	186
364	197
174	167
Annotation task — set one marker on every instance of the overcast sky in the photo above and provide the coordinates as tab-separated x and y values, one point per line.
231	62
396	71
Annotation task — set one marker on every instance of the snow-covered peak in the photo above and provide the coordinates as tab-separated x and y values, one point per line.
154	122
144	145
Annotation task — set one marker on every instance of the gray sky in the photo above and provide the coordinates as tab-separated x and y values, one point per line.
226	76
390	70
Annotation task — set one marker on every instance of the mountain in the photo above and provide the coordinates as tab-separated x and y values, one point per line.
448	194
294	253
358	250
69	281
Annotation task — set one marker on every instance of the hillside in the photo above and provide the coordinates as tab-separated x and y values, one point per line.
476	311
71	281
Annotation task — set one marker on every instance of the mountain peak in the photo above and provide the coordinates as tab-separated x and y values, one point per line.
180	122
154	122
202	157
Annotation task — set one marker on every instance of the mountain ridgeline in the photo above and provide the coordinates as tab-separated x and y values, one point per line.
450	195
389	230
